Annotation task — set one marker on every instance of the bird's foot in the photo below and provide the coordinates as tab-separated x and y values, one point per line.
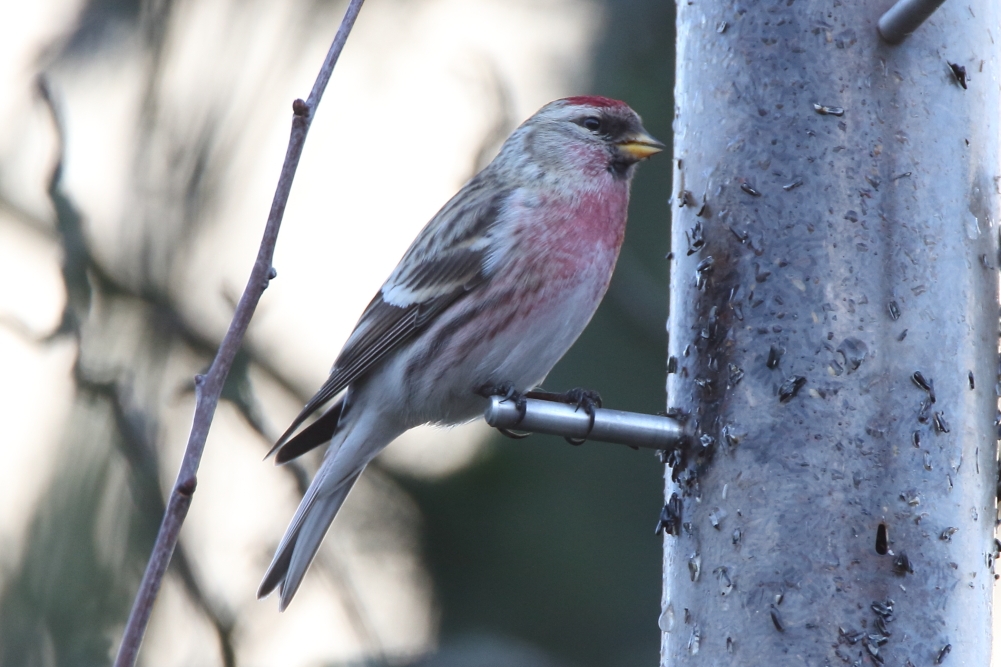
585	399
507	391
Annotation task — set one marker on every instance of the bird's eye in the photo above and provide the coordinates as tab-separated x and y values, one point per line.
591	123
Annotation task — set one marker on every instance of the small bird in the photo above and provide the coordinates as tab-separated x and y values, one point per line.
490	295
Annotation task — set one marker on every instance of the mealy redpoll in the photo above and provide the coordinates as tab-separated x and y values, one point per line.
492	293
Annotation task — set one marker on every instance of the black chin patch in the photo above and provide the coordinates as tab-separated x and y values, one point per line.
619	166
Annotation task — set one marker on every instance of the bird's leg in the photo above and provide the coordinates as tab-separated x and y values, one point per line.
507	391
585	399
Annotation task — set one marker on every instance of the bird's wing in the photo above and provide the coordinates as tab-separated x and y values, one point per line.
448	259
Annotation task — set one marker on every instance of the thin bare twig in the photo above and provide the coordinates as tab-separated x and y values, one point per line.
209	387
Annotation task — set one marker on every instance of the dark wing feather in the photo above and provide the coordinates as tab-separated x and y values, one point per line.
311	437
446	261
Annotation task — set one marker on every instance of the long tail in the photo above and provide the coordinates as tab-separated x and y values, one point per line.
353	445
302	540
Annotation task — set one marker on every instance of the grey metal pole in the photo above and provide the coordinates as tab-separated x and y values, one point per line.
834	337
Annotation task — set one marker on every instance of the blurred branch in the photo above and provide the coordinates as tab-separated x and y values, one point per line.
29	220
138	449
333	564
503	121
209	387
83	275
76	254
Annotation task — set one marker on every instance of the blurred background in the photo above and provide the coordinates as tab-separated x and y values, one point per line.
140	143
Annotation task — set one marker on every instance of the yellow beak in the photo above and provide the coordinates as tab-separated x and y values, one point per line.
640	145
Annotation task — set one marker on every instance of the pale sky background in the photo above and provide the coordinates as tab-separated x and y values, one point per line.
399	130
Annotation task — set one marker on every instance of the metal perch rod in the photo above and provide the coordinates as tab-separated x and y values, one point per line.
903	18
624	428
